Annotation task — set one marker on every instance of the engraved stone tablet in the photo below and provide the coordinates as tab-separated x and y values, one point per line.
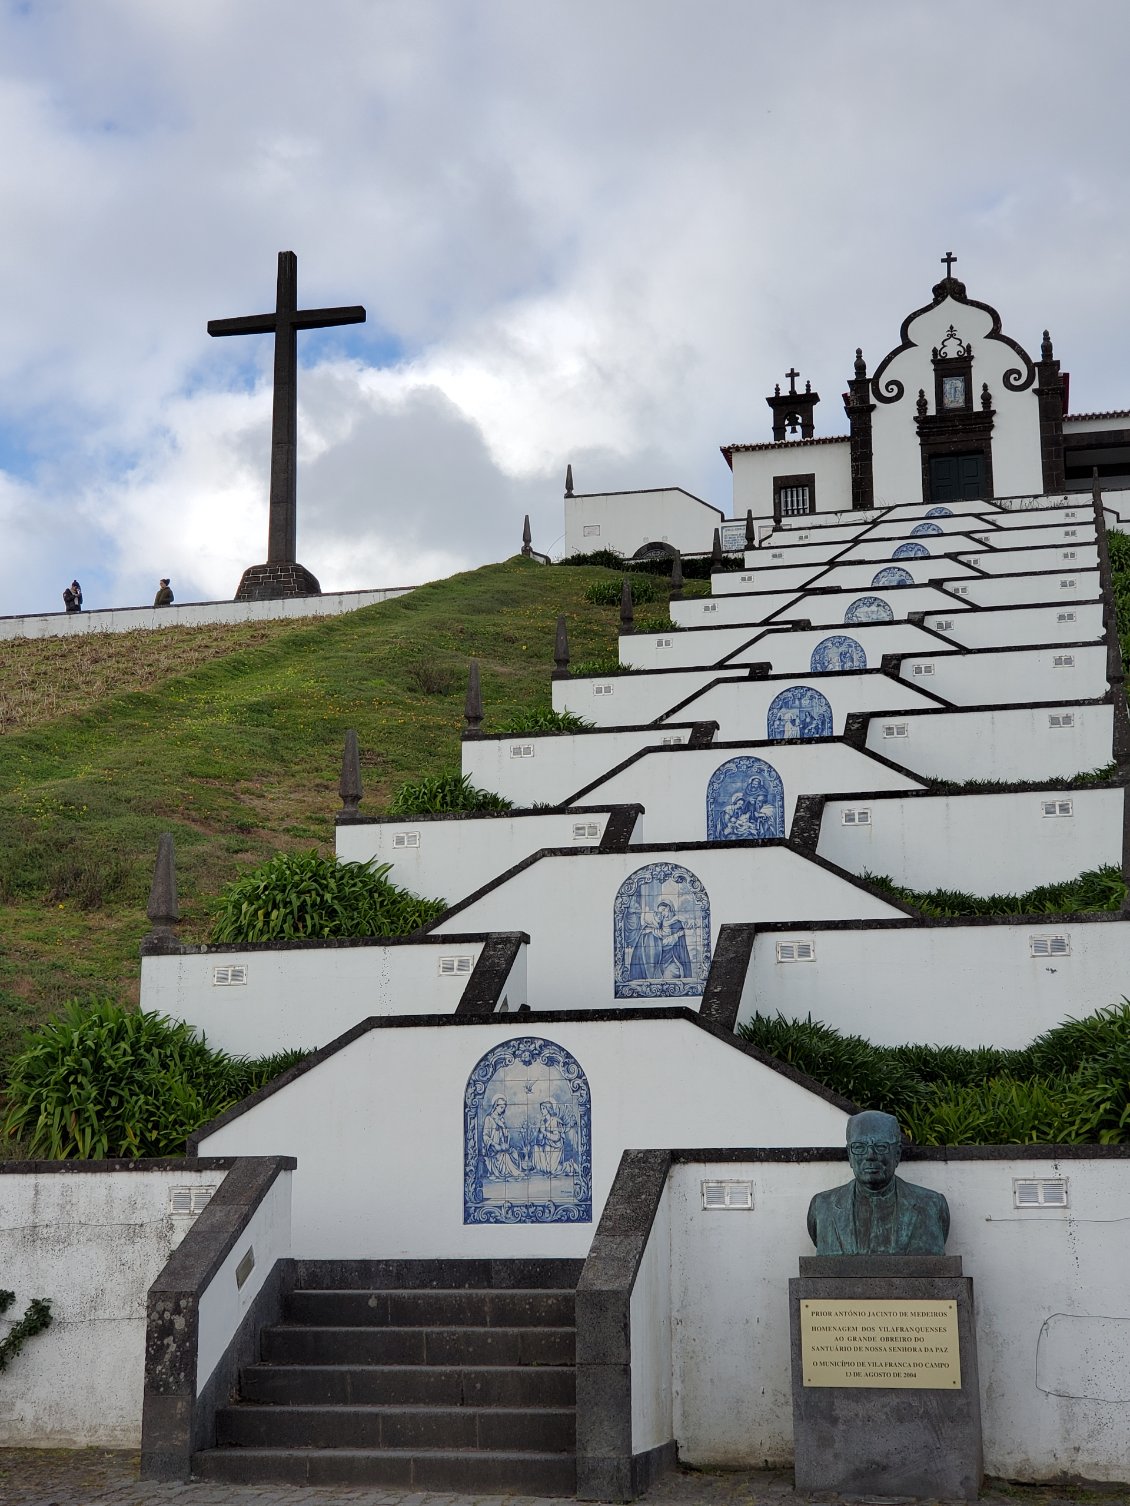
912	1345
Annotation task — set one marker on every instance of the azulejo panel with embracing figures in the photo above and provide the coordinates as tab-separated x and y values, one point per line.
797	712
660	934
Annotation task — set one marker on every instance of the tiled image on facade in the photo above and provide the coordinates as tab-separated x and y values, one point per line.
661	934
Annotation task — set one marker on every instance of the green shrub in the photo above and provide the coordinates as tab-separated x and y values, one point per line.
607	593
599	668
695	566
1097	889
438	794
295	896
104	1081
37	1317
663	624
545	719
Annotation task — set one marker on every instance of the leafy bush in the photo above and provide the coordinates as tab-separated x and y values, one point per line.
545	719
37	1317
104	1081
294	896
662	624
439	794
1096	889
695	566
607	593
599	668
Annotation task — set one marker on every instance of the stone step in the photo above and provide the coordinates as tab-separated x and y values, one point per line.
484	1473
415	1275
412	1385
303	1344
474	1308
542	1429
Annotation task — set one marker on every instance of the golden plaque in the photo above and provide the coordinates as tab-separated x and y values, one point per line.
898	1343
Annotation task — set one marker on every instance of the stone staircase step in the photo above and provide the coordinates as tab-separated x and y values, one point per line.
472	1308
305	1344
412	1385
485	1472
541	1429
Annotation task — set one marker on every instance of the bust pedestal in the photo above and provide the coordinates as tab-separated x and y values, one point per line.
884	1364
276	582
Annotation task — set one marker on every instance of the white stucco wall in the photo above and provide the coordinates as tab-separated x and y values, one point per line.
955	841
1049	1292
634	700
559	763
881	548
789	650
964	985
303	997
91	1241
1057	584
457	854
671	783
565	904
191	614
1008	676
1011	743
627	520
650	1318
740	707
998	627
828	608
829	463
922	570
1068	557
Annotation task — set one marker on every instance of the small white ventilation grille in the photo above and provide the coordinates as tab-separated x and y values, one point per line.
923	669
1061	719
603	689
1057	807
453	967
1067	554
189	1201
727	1195
591	531
896	729
777	555
521	750
710	606
586	831
1069	533
1049	946
1063	661
663	643
803	537
229	976
944	624
860	817
1065	616
406	839
960	590
672	742
1067	585
1069	514
746	579
1039	1192
796	951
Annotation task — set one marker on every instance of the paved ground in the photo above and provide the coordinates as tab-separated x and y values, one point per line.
95	1477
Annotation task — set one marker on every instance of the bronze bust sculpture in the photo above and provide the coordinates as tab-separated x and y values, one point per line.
877	1213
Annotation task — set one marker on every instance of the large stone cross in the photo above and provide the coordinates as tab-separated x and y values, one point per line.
284	324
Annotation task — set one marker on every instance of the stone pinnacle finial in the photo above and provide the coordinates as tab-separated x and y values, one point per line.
473	706
921	403
1046	347
561	650
349	786
627	613
527	537
860	363
677	577
568	480
750	530
163	910
716	548
986	398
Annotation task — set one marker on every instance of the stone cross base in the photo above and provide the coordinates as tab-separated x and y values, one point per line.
274	582
880	1436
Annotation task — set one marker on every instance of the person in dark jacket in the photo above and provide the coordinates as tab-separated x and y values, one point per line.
164	596
71	603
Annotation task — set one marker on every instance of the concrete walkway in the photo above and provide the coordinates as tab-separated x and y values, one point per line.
96	1477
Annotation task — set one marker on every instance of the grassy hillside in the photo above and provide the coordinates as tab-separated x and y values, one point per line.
231	738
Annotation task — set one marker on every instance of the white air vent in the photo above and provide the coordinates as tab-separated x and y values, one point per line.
1069	515
1065	616
672	742
453	967
746	579
586	831
1067	585
663	643
603	688
1069	533
1061	719
1063	661
776	555
896	729
711	606
803	537
591	531
944	624
1057	807
1039	1192
230	976
189	1201
960	590
923	669
521	750
796	951
860	817
722	1195
1068	554
406	839
1049	946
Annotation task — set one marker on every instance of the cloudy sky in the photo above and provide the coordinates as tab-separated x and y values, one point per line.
593	231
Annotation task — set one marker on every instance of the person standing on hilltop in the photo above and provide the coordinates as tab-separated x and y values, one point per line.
164	596
72	597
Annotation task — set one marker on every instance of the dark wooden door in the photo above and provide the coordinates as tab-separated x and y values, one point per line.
957	478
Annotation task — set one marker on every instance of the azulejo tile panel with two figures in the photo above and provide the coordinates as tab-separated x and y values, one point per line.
660	934
527	1136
